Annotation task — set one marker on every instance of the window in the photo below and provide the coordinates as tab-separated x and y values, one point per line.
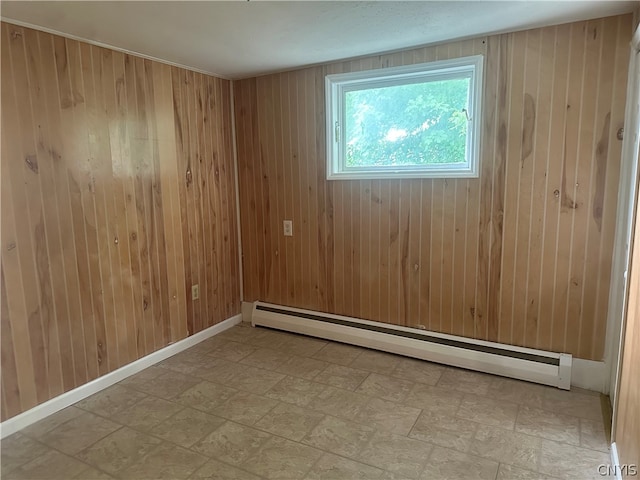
402	122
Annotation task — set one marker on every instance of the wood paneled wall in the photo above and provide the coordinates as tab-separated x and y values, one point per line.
118	194
520	255
627	408
627	431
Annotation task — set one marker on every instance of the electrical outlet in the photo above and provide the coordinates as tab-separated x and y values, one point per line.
195	292
288	228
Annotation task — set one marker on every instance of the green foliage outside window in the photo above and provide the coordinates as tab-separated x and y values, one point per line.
404	125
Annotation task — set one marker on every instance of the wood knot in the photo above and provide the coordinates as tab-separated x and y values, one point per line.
11	246
16	34
145	304
115	240
32	163
134	236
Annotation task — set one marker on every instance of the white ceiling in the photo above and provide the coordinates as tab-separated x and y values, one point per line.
237	39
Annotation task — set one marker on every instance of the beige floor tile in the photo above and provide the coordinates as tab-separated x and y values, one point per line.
433	399
509	472
488	411
342	377
266	358
232	351
244	377
18	449
190	363
444	430
300	345
207	346
187	427
246	408
338	353
593	435
549	425
265	338
576	403
518	391
296	391
506	446
205	396
339	436
91	473
447	464
240	333
375	361
166	461
232	443
290	421
303	367
303	346
117	451
388	416
395	453
418	371
143	376
279	458
387	475
147	413
333	467
391	427
168	385
111	400
47	424
570	462
339	403
216	470
51	465
465	381
79	432
387	388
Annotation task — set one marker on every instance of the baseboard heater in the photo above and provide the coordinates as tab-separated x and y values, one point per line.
537	366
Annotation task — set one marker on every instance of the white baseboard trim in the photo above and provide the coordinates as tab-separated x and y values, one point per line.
56	404
590	375
615	461
247	311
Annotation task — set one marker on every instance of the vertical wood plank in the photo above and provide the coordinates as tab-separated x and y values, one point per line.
93	193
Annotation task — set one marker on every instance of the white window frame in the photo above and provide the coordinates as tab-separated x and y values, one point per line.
337	85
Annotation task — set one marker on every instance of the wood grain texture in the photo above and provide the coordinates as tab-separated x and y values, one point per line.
627	429
520	255
627	436
627	408
117	195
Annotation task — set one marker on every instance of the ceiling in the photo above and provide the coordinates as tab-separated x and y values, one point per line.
237	39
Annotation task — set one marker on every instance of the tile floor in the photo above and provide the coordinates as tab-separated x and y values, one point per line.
254	403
